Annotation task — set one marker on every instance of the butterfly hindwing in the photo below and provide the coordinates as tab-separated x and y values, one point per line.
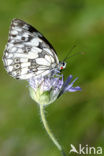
27	53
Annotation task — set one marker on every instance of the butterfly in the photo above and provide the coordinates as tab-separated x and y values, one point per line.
28	53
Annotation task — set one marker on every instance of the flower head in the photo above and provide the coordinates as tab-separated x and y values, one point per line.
45	90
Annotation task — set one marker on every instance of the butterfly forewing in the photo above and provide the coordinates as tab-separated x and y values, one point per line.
28	53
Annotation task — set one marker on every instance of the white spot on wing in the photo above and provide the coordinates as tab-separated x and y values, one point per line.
8	61
48	58
9	55
26	35
48	50
13	49
26	64
19	50
35	49
43	68
24	71
15	23
9	68
18	29
9	45
42	61
25	27
24	59
19	45
34	42
14	32
26	76
29	55
52	59
14	73
45	73
56	58
17	38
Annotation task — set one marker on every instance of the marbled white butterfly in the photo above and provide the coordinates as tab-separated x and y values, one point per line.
28	53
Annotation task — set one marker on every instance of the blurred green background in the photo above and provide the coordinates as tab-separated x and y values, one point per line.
75	118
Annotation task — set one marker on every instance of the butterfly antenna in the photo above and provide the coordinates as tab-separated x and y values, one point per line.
74	55
67	56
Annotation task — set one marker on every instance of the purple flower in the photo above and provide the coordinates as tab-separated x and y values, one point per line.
45	90
69	87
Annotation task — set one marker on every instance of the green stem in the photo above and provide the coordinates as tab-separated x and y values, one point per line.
48	130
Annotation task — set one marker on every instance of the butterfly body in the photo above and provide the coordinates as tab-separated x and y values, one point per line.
28	53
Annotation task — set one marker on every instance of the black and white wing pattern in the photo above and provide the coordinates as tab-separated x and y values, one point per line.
28	53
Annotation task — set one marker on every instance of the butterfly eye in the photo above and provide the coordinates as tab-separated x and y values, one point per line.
64	64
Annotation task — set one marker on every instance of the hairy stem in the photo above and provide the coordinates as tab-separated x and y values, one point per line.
48	130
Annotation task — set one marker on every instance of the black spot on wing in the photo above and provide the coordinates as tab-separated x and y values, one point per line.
23	38
27	39
40	45
31	29
19	22
13	35
42	55
17	42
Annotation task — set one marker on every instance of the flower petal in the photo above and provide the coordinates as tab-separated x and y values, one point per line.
68	88
74	89
67	82
65	85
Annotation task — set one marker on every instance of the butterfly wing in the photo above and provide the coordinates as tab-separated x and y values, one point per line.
28	53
